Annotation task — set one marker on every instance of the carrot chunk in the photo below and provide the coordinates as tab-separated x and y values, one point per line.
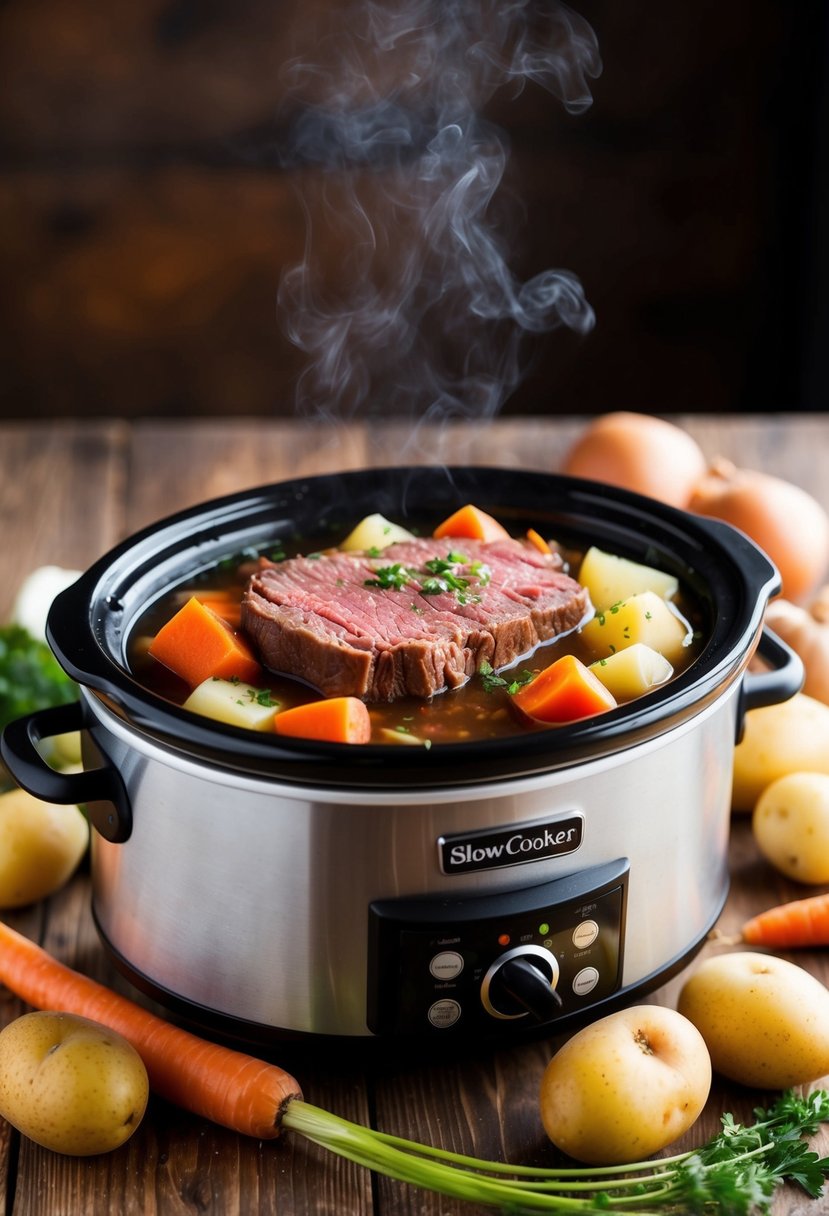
564	692
196	644
473	523
535	538
334	720
228	607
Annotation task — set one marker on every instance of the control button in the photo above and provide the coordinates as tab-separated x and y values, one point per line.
584	934
447	965
444	1013
585	981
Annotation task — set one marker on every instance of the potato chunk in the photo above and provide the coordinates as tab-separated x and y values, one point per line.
374	532
610	579
233	702
633	671
645	617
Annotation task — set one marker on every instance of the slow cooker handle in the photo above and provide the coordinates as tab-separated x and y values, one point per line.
100	790
783	679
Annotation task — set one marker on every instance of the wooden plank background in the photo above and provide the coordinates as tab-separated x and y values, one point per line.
145	221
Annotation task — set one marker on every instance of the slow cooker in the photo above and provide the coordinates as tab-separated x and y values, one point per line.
271	888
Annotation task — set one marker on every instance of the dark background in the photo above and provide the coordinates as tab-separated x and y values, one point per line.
143	223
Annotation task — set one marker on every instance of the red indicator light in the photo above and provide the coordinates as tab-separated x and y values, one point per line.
503	939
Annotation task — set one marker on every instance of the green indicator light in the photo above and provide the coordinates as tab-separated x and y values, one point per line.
544	928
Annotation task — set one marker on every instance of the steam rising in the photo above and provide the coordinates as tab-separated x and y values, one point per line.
404	301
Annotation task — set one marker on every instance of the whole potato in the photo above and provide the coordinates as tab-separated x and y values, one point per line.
765	1020
625	1086
778	739
791	826
41	845
70	1084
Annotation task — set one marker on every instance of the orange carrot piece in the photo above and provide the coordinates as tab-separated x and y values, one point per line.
535	538
228	607
471	523
801	922
197	644
217	1083
334	720
564	692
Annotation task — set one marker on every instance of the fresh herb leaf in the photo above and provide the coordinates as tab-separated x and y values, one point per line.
447	578
493	682
30	676
441	576
390	578
263	697
481	571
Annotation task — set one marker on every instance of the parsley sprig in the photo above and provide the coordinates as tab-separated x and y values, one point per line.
390	578
734	1174
436	576
493	682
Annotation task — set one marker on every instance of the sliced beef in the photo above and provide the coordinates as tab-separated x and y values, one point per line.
380	627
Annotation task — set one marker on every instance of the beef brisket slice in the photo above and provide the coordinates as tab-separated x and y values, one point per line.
320	620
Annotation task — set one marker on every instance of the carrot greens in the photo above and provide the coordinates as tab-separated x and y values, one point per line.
734	1174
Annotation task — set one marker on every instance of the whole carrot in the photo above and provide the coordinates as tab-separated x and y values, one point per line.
226	1086
799	923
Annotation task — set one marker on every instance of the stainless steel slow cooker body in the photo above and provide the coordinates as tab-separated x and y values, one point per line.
270	887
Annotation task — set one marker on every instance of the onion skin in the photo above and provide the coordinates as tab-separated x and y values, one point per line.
786	522
638	452
806	630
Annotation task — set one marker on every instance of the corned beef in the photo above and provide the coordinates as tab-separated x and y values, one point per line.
418	618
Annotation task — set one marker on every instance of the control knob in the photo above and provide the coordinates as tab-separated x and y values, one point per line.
522	983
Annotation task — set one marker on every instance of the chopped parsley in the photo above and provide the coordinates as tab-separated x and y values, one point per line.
601	617
492	682
437	576
390	578
262	696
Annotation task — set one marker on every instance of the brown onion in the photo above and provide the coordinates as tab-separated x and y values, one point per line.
638	452
780	517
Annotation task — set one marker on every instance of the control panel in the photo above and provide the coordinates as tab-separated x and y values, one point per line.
488	963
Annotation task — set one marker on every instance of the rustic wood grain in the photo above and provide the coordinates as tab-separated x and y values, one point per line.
147	212
69	492
61	497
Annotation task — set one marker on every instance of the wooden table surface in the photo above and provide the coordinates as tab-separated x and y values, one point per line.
69	491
